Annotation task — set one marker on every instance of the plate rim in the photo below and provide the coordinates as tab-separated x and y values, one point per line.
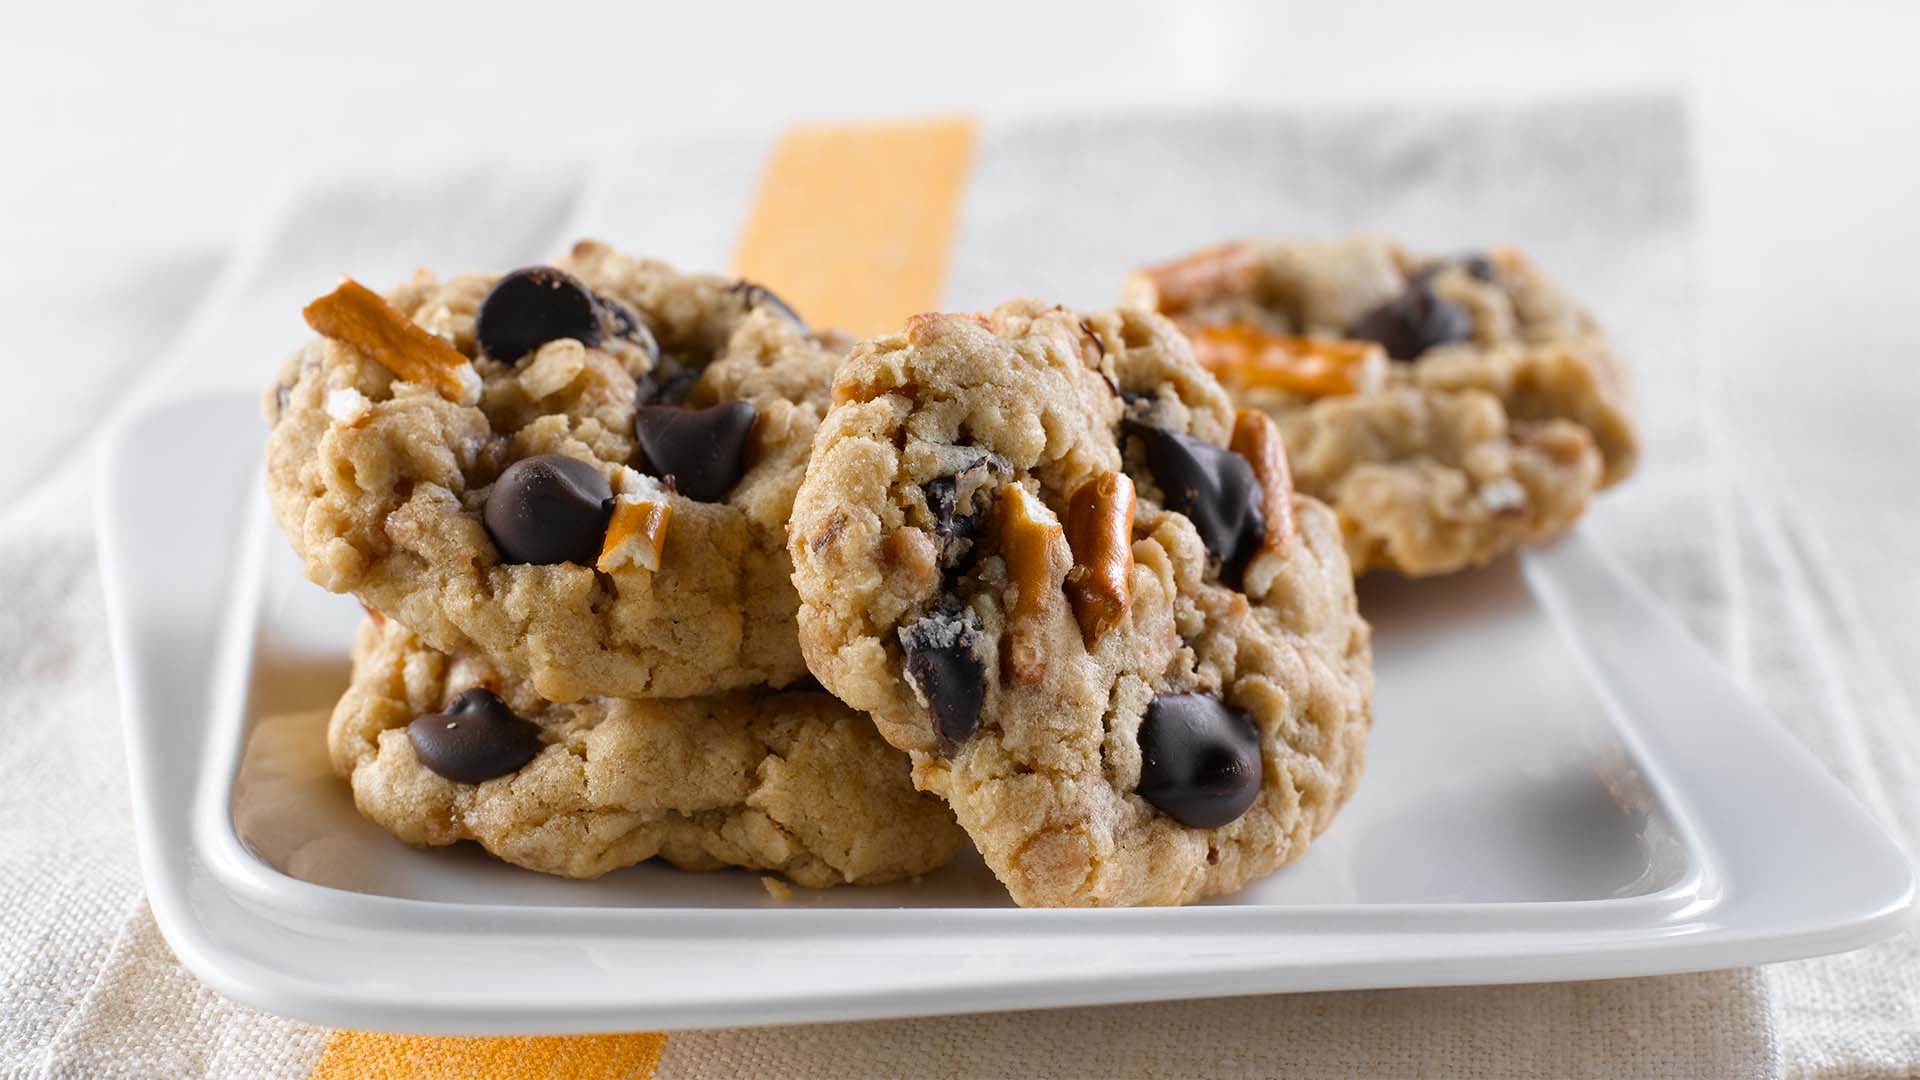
195	868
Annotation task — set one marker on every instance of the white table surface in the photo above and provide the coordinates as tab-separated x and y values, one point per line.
141	140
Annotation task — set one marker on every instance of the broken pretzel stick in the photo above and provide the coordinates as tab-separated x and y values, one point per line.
1246	356
636	535
1100	533
1035	550
360	317
1194	281
1256	438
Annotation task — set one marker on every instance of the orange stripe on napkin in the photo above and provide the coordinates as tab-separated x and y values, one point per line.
362	1055
854	222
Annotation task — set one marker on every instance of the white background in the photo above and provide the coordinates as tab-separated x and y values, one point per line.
138	141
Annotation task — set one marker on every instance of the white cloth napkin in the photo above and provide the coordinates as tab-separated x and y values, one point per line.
1599	193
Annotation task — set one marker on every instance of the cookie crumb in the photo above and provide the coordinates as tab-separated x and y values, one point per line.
348	406
554	368
778	890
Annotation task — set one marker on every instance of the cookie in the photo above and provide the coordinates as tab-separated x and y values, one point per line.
1126	655
440	750
1449	409
581	473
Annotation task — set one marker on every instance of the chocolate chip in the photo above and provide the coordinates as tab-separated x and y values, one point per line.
1478	267
943	650
757	295
1413	322
549	509
1214	487
620	321
701	449
1199	760
671	390
477	738
952	526
532	306
960	501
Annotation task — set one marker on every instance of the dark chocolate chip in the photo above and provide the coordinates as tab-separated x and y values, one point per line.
1199	760
959	502
1478	267
671	390
701	449
532	306
549	509
477	738
952	526
1413	322
758	295
620	321
1214	487
943	650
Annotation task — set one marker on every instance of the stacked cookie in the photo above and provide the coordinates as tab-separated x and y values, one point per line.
562	496
1054	581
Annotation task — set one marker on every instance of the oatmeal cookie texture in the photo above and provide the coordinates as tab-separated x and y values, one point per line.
1449	409
1127	655
579	472
789	782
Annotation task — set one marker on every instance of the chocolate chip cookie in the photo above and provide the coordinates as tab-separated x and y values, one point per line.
1041	548
580	472
440	750
1449	409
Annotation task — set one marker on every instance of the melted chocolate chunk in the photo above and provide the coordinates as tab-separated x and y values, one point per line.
477	738
1199	760
960	502
621	321
758	295
549	509
1413	322
943	652
532	306
702	450
1214	487
671	390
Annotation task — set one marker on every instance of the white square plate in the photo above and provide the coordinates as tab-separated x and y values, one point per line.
1560	785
